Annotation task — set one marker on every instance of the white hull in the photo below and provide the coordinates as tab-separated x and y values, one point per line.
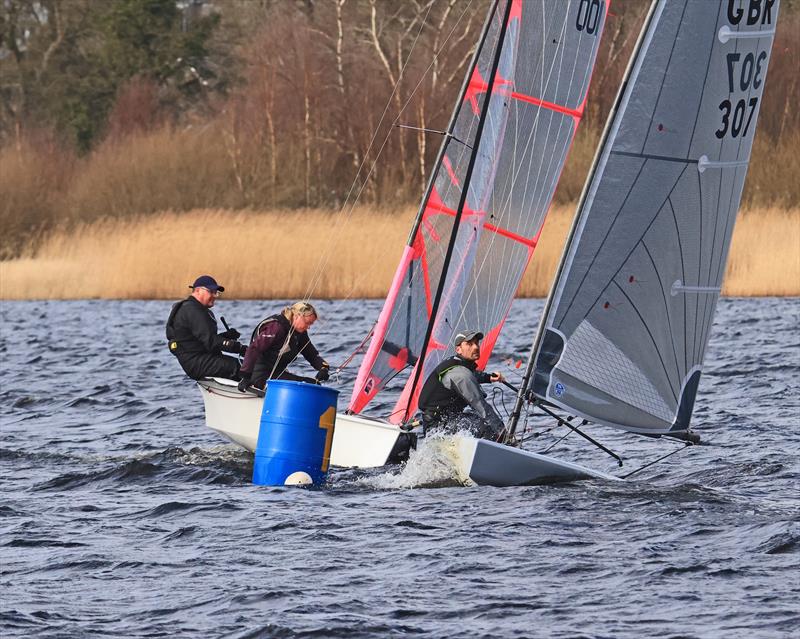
367	443
490	464
357	441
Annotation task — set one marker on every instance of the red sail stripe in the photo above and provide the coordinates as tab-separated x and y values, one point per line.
479	86
426	279
441	208
449	168
577	114
511	235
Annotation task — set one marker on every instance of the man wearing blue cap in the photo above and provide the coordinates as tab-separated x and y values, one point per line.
454	385
192	334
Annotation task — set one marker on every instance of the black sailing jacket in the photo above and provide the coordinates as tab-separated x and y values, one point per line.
199	348
438	401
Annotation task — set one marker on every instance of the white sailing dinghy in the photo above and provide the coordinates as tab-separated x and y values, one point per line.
626	325
478	223
357	441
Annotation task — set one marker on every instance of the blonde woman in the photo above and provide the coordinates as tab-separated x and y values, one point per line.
276	342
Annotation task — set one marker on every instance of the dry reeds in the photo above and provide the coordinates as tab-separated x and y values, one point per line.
316	254
765	254
157	171
33	178
277	254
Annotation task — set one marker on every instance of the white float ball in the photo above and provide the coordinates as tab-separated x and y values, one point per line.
300	478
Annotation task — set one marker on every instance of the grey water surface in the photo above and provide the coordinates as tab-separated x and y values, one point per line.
121	515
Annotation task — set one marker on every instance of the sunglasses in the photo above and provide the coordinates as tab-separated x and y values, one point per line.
214	293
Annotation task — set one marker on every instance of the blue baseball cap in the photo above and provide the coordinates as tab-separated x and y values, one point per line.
206	281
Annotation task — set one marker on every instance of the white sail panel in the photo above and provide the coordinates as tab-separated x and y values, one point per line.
641	275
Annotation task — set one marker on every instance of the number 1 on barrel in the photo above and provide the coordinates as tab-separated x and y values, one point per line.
326	421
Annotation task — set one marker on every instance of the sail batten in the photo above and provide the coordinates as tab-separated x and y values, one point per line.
650	156
627	324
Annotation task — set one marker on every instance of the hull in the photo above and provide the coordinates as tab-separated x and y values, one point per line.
490	464
357	441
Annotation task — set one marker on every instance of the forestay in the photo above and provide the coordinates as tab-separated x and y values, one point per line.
625	331
490	189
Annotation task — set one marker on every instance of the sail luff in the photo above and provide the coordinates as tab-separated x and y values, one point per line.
453	118
460	210
599	153
402	268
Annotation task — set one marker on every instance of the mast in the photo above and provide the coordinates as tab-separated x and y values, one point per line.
463	197
517	410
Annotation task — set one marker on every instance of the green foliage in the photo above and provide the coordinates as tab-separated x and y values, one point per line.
144	37
66	60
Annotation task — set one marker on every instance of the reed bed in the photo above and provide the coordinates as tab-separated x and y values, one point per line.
317	254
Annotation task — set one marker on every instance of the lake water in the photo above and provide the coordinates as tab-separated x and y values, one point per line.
121	515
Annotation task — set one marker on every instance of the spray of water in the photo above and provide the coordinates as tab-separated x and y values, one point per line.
434	464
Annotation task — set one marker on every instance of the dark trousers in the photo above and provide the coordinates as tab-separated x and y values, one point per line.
287	376
208	365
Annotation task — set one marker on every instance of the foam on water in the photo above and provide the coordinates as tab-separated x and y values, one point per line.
434	464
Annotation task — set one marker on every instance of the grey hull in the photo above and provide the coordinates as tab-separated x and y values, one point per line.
489	464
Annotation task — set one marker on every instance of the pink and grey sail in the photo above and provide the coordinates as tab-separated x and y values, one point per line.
489	192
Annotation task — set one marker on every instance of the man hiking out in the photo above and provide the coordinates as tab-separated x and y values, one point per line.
192	334
454	385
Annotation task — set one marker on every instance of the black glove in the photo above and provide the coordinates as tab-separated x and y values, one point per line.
529	396
231	334
323	374
231	346
244	384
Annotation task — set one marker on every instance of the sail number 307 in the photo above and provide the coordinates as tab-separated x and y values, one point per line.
742	74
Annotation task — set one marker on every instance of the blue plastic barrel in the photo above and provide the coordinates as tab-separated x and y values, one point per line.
296	432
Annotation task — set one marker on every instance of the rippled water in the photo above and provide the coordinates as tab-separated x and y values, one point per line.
122	515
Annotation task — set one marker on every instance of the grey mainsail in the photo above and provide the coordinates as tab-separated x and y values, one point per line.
626	326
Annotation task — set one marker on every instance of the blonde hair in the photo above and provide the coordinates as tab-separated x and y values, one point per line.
301	309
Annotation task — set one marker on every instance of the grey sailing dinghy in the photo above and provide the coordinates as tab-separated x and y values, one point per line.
627	322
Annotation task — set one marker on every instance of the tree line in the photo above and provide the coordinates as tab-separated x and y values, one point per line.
262	103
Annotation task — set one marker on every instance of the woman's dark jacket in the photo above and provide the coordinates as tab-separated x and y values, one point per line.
273	347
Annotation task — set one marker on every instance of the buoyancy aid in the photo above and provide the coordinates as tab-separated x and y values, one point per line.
172	343
435	399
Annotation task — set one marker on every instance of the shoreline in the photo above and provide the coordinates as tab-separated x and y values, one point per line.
315	254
